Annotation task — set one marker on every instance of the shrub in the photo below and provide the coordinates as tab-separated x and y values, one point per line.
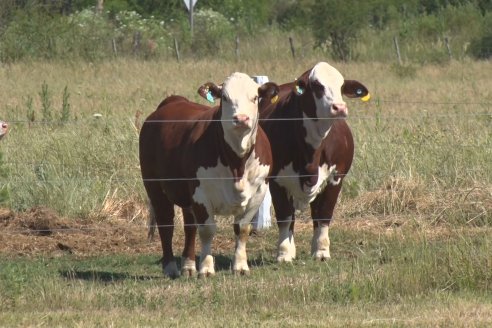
213	32
481	47
152	34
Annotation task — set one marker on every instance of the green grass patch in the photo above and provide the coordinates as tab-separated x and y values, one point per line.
390	270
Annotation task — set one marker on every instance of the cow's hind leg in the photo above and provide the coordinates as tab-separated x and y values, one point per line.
322	212
188	267
163	211
240	263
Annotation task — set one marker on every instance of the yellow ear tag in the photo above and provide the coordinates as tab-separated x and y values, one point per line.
274	99
366	97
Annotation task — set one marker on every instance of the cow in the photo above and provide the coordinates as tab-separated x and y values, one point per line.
312	149
208	161
4	128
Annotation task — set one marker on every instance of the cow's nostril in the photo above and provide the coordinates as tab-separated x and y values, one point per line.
339	108
241	119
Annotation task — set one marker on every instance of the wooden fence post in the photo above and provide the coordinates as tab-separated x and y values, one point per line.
115	51
292	49
446	41
397	47
176	49
136	42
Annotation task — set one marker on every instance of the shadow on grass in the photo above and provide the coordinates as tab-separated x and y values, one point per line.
224	263
103	276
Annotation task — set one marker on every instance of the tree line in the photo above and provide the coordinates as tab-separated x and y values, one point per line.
337	26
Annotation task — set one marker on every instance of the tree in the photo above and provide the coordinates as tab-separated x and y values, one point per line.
336	24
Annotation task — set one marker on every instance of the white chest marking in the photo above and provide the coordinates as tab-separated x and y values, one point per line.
221	195
303	194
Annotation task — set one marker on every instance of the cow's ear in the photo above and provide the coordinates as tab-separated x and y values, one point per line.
210	91
355	89
300	87
270	91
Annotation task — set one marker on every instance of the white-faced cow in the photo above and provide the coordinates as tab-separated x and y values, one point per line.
4	128
312	149
208	161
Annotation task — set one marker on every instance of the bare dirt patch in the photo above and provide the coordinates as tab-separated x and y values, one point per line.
40	231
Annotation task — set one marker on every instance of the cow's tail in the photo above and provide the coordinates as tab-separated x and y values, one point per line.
152	223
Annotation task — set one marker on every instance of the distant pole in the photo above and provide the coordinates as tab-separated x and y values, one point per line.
191	17
397	47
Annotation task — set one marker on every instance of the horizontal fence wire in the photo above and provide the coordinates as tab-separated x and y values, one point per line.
113	180
220	223
379	115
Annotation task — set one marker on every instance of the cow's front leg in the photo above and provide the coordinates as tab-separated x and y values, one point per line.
286	245
188	266
206	232
322	212
240	263
320	244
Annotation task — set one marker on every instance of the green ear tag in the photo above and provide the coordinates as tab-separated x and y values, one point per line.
299	90
210	97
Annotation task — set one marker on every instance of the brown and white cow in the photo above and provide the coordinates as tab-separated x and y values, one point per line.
4	128
312	148
208	161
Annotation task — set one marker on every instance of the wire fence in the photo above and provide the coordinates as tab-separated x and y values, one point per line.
10	146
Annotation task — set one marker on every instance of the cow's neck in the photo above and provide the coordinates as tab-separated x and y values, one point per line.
230	158
316	131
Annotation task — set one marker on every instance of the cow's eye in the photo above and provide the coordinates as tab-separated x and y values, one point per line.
255	98
225	98
317	87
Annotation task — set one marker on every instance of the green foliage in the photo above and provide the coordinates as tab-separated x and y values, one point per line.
45	97
30	113
65	110
481	46
336	25
349	30
245	14
388	275
212	33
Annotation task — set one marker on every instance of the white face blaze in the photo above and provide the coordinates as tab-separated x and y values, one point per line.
240	112
330	83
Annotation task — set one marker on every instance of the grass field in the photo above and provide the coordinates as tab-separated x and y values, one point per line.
411	242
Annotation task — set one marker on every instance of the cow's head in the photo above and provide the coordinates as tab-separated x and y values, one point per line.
239	97
4	127
321	89
327	86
